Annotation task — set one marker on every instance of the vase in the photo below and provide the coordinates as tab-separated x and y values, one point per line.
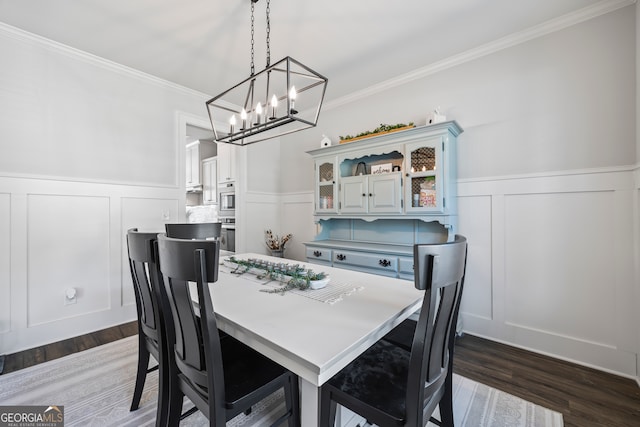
278	253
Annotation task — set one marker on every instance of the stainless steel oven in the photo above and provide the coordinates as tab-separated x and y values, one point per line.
227	200
228	234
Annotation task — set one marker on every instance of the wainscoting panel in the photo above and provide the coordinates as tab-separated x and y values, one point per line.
559	263
297	218
477	298
551	265
68	247
5	262
148	215
261	211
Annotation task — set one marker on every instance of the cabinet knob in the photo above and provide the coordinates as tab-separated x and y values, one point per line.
341	257
370	195
317	253
384	262
364	195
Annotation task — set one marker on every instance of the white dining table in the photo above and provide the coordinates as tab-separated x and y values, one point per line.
313	333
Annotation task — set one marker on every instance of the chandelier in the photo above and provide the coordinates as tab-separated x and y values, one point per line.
283	98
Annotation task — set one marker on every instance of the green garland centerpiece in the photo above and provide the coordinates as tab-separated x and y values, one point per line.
289	276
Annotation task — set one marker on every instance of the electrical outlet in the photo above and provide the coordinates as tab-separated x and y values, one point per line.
70	296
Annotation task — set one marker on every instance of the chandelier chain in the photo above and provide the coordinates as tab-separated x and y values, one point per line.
253	68
268	33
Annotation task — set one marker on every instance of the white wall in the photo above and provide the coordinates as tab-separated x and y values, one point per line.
546	185
88	150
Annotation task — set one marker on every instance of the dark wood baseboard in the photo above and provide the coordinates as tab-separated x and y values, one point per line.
24	359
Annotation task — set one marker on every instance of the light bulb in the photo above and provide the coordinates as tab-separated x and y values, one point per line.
243	116
292	97
258	114
274	106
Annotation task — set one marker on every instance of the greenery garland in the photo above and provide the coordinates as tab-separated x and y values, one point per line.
382	128
292	276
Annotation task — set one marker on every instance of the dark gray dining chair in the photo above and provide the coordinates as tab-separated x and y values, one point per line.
205	230
147	286
223	378
391	385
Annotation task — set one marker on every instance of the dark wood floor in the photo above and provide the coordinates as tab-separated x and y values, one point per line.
586	397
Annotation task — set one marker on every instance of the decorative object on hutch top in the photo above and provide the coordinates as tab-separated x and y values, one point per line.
380	130
370	222
283	98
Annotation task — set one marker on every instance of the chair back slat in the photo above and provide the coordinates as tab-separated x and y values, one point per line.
198	231
439	270
142	265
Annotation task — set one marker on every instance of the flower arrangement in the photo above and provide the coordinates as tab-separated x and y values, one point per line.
275	242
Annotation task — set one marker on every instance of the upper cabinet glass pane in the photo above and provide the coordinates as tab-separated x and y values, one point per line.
325	172
423	159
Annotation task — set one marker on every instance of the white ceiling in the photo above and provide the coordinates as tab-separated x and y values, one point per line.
204	45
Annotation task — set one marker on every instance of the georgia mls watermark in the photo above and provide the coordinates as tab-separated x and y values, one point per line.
31	416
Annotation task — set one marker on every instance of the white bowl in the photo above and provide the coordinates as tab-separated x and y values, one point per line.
319	284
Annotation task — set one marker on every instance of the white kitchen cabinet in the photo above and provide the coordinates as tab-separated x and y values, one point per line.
193	165
226	163
195	152
210	181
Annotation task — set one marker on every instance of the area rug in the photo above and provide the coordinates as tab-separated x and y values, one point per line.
95	386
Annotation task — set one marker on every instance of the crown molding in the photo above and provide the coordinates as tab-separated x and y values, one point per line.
548	27
23	36
557	24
